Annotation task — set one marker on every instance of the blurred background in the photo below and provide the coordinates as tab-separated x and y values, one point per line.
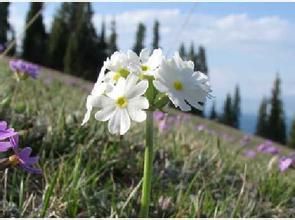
246	49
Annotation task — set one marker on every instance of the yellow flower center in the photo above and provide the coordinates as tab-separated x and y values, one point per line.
116	76
14	160
121	102
178	85
144	68
120	73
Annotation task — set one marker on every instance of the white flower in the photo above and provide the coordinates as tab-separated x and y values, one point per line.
124	102
145	64
117	67
184	87
93	100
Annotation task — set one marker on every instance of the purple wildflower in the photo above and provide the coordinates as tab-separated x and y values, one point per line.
158	116
5	133
24	69
250	153
23	158
286	162
164	125
2	48
268	147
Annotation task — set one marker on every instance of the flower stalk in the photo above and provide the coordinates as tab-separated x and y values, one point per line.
148	167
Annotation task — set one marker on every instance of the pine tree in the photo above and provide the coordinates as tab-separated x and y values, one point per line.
227	117
7	33
213	113
236	107
156	35
140	37
277	131
291	140
113	38
62	28
201	62
34	43
262	120
4	25
102	46
192	55
80	57
182	51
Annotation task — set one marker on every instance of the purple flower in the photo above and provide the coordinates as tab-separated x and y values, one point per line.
5	133
24	69
23	158
2	48
158	116
164	124
250	153
267	147
201	127
286	162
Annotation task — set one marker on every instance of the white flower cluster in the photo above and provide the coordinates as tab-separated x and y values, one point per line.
128	85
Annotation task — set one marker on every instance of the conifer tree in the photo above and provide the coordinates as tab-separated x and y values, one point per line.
7	34
213	114
182	51
262	120
156	35
192	55
277	131
291	140
201	62
102	46
82	50
236	107
227	117
35	39
62	28
4	24
113	38
140	37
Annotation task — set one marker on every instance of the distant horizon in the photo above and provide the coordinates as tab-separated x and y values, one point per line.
246	43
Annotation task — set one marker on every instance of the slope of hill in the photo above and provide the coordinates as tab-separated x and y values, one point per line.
199	167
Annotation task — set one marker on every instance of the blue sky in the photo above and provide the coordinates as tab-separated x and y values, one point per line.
247	43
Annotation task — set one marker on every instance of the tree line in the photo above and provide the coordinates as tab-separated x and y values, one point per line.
72	44
271	120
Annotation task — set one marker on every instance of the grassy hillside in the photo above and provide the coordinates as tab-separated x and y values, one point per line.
89	173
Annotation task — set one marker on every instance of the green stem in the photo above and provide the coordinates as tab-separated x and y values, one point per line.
148	167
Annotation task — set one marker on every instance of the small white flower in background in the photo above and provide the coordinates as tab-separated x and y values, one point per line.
184	87
117	66
146	64
124	102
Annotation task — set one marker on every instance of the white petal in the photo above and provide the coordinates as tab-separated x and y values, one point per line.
132	57
178	101
106	113
135	107
137	90
87	116
119	123
118	90
137	115
160	86
144	55
125	122
155	59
